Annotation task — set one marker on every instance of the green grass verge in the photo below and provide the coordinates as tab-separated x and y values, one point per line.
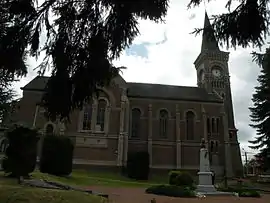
88	178
84	179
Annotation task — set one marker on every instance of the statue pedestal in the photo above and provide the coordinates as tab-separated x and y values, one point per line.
205	186
205	175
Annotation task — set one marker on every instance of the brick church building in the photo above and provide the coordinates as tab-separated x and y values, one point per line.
167	121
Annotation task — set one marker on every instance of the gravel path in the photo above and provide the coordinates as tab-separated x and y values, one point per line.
137	195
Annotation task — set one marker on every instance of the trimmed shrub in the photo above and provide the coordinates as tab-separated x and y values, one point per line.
242	192
138	165
171	191
180	178
172	177
249	193
56	155
184	179
21	154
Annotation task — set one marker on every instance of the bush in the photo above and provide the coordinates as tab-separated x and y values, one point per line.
249	193
171	191
138	165
56	155
179	178
21	154
172	177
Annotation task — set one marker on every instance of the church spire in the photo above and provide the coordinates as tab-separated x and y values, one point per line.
209	41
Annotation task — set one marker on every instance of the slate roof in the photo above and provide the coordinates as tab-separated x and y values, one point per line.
38	84
146	90
209	41
158	91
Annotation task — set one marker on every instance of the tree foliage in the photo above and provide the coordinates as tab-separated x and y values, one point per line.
20	156
247	24
263	159
82	37
57	155
7	94
260	112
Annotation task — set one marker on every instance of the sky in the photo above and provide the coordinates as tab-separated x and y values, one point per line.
164	54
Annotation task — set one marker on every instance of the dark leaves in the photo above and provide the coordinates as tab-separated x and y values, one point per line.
260	112
35	40
7	94
121	28
81	43
22	8
246	25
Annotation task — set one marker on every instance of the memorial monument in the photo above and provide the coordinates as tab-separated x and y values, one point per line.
205	175
205	185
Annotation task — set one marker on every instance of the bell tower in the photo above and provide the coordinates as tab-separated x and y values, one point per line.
212	70
213	75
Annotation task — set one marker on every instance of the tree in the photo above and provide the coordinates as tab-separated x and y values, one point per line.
247	24
82	38
260	112
7	94
263	159
21	154
80	43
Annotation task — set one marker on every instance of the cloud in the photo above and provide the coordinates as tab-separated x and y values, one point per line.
141	49
164	53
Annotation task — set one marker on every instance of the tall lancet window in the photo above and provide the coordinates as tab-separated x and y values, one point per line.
163	123
87	117
190	125
102	104
135	122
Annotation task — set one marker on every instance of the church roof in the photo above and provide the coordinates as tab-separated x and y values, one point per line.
171	92
209	41
146	90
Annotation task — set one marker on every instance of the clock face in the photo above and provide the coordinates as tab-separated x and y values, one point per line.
216	71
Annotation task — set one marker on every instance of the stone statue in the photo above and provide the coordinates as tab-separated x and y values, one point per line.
203	144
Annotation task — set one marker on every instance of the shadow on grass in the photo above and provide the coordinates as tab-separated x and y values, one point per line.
82	178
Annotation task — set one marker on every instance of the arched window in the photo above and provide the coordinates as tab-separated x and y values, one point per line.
208	126
211	146
223	95
190	121
163	123
135	126
213	125
230	135
217	125
87	117
49	129
216	146
4	145
102	104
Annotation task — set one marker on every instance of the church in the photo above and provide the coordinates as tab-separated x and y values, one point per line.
167	121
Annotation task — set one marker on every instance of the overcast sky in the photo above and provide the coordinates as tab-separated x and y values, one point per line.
164	53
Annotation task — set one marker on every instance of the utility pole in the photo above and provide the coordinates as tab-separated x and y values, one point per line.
246	160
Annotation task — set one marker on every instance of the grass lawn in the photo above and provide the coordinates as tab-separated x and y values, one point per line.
85	179
11	192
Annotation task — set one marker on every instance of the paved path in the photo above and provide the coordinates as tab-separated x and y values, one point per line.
137	195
